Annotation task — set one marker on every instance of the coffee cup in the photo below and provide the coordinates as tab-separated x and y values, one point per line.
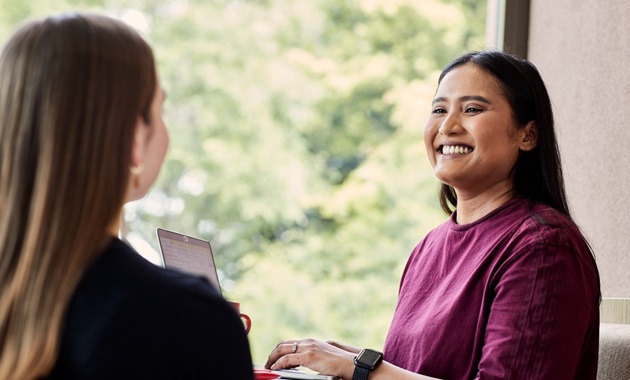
247	321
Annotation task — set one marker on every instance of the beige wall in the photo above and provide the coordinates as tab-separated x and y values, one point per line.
582	48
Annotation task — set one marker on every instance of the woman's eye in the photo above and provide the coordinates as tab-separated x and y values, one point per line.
472	110
438	110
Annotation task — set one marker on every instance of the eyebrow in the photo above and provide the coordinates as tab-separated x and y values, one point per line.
464	98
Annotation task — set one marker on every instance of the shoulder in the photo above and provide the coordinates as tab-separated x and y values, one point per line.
548	237
126	312
543	224
120	275
120	268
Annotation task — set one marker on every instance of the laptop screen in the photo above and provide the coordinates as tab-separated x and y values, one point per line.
188	254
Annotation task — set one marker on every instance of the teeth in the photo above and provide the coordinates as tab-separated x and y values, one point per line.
452	149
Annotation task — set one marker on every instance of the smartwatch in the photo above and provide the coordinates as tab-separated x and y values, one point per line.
366	362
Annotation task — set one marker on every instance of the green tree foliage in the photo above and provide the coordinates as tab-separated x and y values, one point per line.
296	146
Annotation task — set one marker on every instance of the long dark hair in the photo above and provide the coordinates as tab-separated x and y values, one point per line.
537	173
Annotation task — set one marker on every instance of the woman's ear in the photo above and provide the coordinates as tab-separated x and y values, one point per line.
138	144
530	137
136	166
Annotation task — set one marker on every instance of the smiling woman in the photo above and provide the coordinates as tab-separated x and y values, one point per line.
507	288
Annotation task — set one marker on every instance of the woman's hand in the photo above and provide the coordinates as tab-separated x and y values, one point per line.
327	358
330	358
345	347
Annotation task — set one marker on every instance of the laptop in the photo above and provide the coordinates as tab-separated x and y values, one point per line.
188	254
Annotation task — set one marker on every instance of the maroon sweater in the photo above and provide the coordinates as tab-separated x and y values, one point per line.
514	295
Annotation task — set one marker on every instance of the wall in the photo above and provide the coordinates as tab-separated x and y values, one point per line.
582	49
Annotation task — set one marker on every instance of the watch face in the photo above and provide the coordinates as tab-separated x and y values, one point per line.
369	358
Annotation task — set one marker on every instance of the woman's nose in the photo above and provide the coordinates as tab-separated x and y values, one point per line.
450	125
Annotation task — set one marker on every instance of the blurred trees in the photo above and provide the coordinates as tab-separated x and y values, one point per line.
296	146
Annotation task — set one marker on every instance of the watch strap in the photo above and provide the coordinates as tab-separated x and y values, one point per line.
360	373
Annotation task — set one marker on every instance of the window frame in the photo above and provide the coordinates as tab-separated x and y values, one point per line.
507	26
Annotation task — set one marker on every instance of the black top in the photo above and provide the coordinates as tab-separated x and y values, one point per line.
132	319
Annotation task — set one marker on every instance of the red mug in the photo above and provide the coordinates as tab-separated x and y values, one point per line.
247	321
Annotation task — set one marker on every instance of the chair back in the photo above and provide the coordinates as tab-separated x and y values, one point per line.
614	339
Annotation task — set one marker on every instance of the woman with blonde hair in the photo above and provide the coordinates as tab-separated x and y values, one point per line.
81	134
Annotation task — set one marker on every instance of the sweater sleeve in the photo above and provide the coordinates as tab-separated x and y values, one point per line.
544	309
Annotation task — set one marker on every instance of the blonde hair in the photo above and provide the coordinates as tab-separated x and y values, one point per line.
71	90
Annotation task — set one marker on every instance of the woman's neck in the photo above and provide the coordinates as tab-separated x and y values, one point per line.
472	207
114	227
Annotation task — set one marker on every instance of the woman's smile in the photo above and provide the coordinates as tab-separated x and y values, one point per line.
449	150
